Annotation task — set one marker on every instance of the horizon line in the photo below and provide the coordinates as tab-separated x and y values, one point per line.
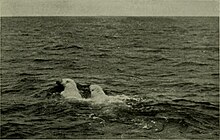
110	16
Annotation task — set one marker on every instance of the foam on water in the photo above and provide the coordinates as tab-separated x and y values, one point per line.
105	100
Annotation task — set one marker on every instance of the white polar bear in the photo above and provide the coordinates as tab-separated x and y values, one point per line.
70	89
97	94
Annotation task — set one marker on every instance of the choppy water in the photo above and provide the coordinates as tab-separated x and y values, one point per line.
169	64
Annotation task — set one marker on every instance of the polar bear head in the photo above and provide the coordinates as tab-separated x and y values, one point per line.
96	91
68	82
70	88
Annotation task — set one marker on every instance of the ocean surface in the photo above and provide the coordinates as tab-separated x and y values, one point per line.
168	66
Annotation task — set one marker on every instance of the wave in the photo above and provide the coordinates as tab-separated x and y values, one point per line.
63	47
155	58
41	60
213	48
195	48
140	114
30	74
190	64
189	86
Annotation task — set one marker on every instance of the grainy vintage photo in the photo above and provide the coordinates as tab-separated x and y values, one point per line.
109	69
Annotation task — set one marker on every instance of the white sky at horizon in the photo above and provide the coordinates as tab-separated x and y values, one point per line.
109	8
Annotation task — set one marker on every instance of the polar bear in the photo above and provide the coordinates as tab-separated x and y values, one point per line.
97	93
70	89
99	96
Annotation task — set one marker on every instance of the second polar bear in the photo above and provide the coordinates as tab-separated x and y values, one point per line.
97	93
99	96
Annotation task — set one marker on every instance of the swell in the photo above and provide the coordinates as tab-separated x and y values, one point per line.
203	115
62	47
70	116
190	64
190	86
153	58
195	48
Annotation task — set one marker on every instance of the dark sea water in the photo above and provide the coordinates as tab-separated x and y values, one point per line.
169	65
